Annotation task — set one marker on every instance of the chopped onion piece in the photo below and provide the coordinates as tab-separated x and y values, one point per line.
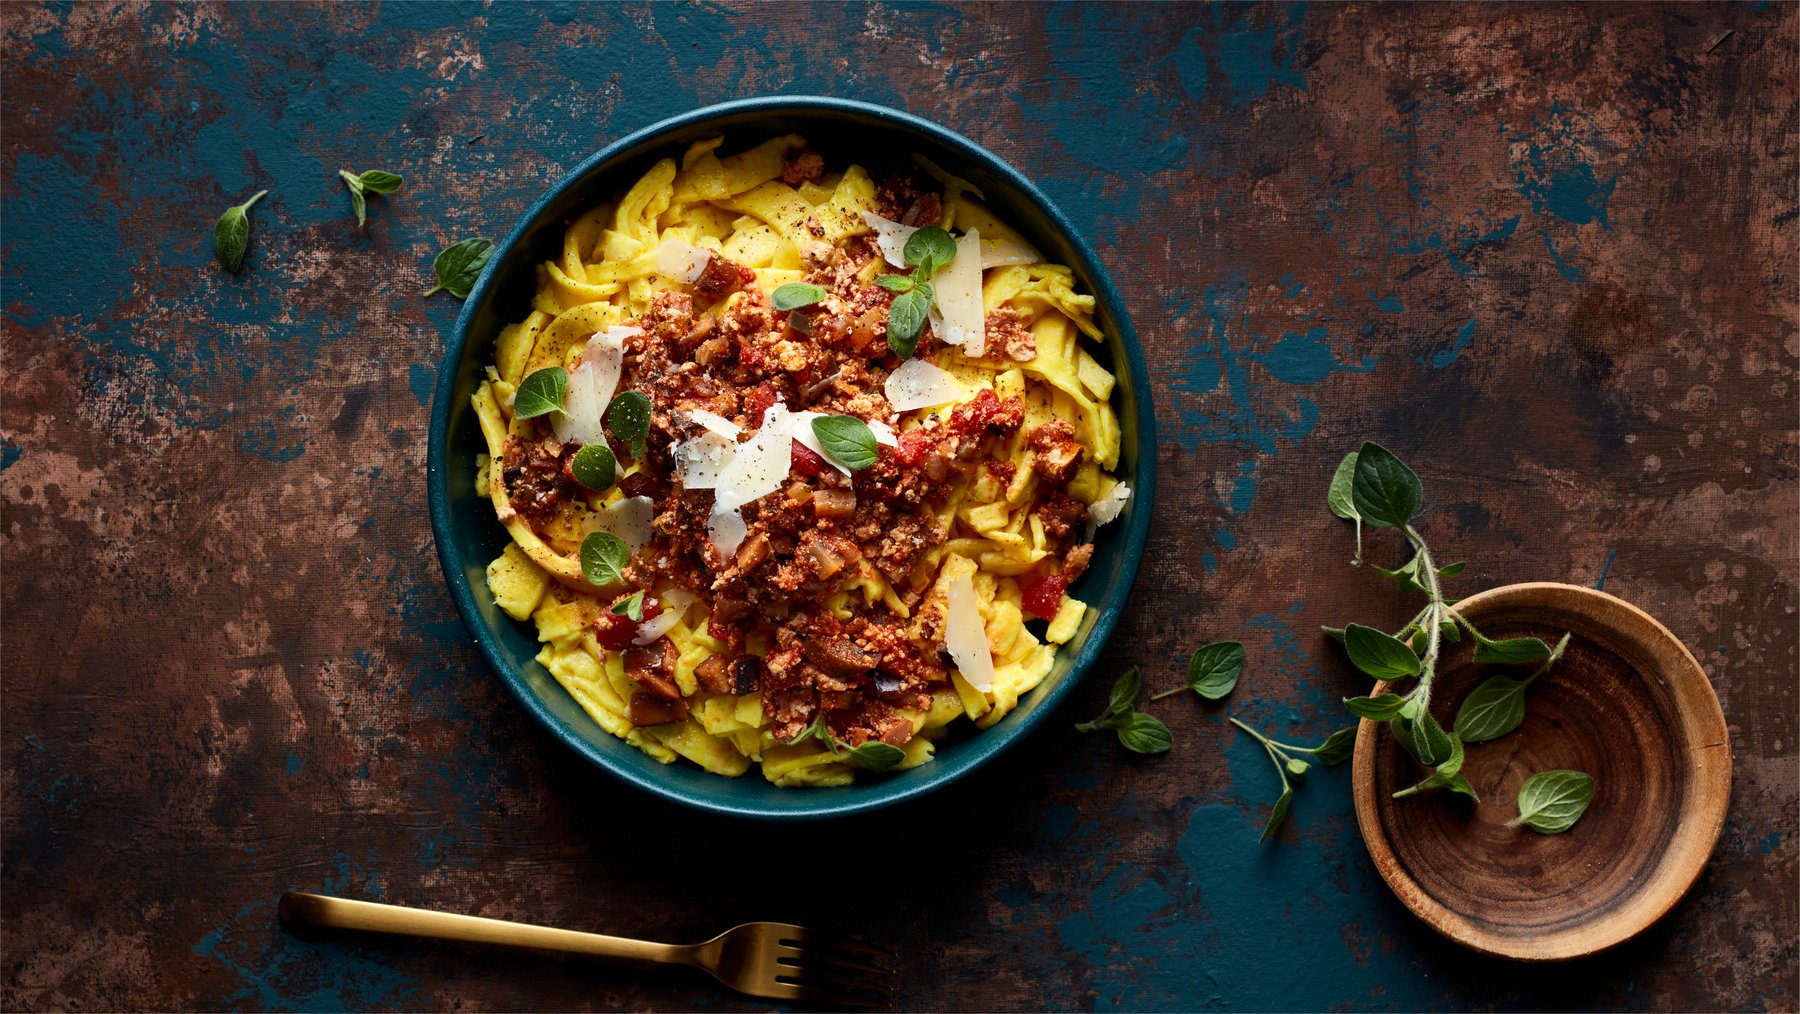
714	423
891	237
884	434
629	519
759	466
803	432
956	310
1107	508
965	637
591	387
919	384
681	260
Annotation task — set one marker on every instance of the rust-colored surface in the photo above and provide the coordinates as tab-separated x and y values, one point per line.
1548	254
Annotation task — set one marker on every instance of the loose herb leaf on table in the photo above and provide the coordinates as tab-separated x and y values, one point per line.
231	234
372	181
460	265
1212	671
1137	732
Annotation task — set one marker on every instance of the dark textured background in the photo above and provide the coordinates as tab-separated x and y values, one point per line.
1548	254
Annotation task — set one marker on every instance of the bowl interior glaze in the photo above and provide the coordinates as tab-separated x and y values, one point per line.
468	536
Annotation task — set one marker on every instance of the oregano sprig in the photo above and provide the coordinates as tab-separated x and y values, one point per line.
927	251
1336	749
370	181
1138	732
231	234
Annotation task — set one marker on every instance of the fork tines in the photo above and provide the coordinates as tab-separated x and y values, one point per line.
835	972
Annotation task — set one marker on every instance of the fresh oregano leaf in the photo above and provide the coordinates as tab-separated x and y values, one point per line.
231	234
1339	499
460	265
906	319
1493	709
847	439
1296	766
876	756
1511	651
628	417
374	181
1550	802
795	295
895	283
541	393
1384	708
1379	654
1459	783
1424	739
930	249
1452	569
1337	747
1214	669
1384	490
594	467
1143	733
603	559
631	608
1277	813
1335	633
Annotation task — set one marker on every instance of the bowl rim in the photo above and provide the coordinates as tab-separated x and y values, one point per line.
1694	839
990	742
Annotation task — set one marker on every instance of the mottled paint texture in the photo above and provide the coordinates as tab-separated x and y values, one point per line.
1546	253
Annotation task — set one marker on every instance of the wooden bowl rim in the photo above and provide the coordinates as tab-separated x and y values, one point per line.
1696	834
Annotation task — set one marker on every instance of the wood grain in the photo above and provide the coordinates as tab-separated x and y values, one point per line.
1627	705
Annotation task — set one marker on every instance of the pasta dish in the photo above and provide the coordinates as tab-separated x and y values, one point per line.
798	462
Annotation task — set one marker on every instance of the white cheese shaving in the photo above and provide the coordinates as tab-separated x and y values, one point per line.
956	311
884	434
726	529
1006	250
965	637
919	384
714	422
699	461
759	466
591	387
681	260
890	237
803	432
629	519
1107	508
650	631
675	599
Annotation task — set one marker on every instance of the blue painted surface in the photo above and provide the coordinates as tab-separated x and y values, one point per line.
1389	279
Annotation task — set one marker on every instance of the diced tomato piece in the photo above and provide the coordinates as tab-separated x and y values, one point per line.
615	632
806	462
757	402
1042	595
913	446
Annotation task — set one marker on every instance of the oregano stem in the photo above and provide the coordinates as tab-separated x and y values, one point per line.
1168	693
1434	637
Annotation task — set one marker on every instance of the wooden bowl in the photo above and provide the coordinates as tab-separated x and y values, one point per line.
1628	705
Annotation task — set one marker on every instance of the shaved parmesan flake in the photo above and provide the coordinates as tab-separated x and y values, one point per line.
1006	250
681	260
650	631
675	600
758	467
699	461
919	384
591	387
726	529
884	434
950	181
956	313
1107	508
965	637
891	237
714	423
629	519
803	432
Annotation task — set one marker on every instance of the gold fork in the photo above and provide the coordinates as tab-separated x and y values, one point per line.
768	959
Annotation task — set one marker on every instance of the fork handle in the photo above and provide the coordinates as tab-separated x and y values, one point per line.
342	913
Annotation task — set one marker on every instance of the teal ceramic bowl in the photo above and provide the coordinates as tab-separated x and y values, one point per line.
468	536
